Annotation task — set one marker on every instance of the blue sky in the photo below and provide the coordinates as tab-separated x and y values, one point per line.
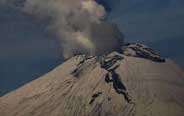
27	51
149	20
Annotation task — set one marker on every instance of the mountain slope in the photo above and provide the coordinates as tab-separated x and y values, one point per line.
133	84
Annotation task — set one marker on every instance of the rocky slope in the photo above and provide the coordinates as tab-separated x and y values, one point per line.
136	83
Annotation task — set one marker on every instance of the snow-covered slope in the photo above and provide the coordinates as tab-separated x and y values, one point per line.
133	84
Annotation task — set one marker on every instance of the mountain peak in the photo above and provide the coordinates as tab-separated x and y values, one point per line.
134	83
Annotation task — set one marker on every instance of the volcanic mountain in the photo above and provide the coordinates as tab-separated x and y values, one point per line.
137	82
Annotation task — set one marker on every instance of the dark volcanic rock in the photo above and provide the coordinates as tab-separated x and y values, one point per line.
140	50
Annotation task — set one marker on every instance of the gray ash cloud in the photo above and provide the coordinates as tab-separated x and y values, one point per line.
78	24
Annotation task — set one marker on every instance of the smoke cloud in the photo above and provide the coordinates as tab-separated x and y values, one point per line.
78	24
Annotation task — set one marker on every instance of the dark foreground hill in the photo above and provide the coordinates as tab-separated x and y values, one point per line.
136	83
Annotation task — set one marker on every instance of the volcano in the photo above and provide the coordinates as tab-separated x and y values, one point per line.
136	82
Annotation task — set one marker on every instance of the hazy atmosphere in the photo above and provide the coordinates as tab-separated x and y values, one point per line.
37	35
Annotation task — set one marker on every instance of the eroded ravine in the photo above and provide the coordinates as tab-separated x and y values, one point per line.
109	63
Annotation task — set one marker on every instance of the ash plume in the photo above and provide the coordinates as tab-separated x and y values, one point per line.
78	24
